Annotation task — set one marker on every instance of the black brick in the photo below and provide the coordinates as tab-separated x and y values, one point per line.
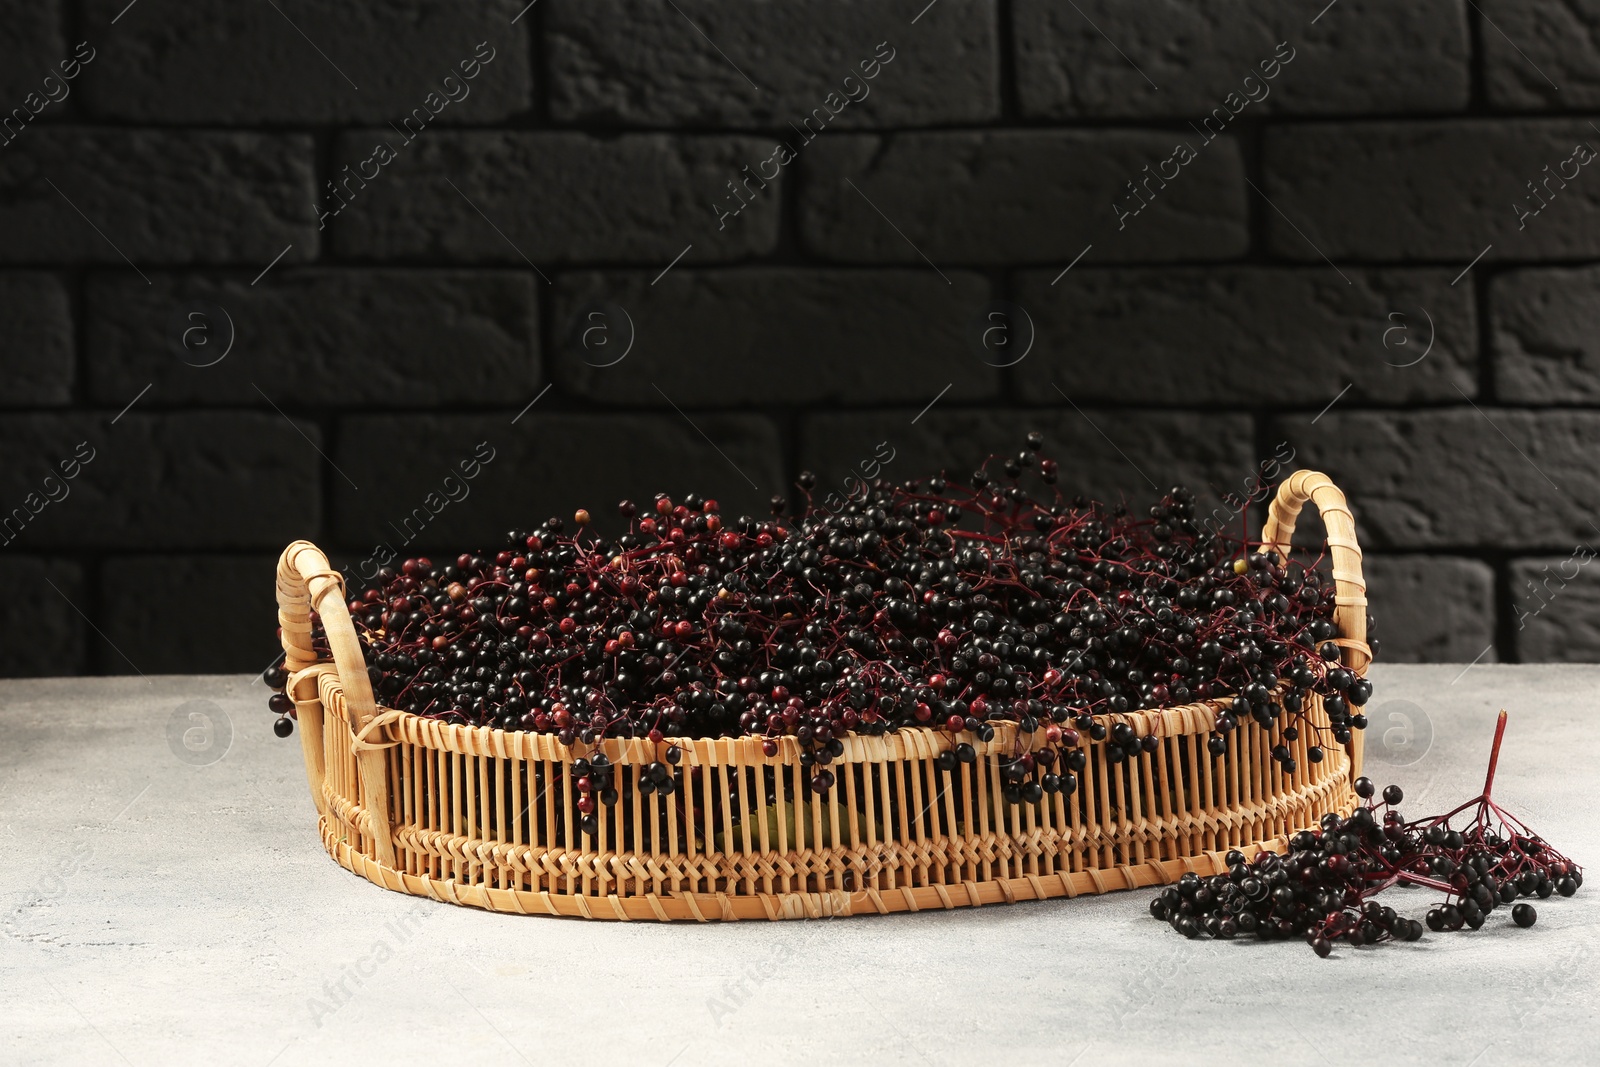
160	196
1430	609
1429	190
36	348
546	464
249	63
1132	455
1236	336
45	632
31	49
647	63
772	336
1546	336
1542	54
1437	479
552	196
1362	56
163	480
1030	196
1555	609
188	615
317	337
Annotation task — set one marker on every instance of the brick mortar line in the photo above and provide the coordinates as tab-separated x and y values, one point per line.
1504	606
1178	123
1477	73
241	270
1010	86
1258	249
568	404
539	68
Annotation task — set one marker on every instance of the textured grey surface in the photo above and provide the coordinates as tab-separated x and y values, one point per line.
173	910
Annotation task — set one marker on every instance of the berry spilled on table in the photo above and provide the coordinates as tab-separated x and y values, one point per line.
1324	888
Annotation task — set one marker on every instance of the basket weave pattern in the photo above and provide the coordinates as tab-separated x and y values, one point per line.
486	817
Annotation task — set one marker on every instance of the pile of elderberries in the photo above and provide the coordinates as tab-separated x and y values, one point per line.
1323	888
941	603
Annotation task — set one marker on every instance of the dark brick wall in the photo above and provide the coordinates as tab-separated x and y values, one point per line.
419	270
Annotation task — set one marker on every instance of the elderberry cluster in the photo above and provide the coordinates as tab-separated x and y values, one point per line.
939	603
1323	888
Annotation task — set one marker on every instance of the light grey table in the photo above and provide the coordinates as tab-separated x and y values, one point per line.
166	900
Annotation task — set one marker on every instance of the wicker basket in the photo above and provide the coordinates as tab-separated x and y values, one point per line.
485	817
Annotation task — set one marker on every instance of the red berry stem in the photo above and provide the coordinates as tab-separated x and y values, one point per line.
1494	753
1324	888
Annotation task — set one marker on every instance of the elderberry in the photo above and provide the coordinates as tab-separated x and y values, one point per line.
950	604
1323	887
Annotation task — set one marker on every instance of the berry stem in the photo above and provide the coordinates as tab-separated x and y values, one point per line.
1494	753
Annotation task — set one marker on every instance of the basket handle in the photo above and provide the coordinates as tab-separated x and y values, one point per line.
305	582
1349	586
